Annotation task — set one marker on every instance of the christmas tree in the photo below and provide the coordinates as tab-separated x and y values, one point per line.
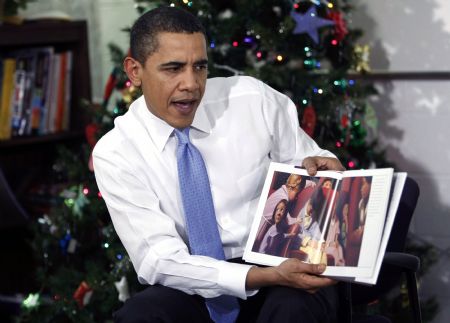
304	49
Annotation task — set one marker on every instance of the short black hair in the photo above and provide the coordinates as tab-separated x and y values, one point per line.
143	35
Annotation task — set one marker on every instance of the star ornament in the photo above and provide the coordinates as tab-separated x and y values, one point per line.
309	23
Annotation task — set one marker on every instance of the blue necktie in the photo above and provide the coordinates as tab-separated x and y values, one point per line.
203	233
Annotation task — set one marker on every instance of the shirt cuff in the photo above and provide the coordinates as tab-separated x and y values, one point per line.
232	277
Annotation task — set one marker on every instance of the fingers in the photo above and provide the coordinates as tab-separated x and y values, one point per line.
310	164
313	164
311	282
298	274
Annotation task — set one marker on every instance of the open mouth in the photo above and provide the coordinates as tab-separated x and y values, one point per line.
185	106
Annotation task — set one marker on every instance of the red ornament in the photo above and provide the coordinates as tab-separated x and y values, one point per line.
344	121
309	120
340	26
90	132
83	294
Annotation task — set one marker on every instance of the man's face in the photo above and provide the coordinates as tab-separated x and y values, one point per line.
174	77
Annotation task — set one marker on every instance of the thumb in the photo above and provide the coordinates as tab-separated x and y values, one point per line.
310	164
319	268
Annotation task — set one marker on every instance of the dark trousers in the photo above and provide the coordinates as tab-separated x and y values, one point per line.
272	304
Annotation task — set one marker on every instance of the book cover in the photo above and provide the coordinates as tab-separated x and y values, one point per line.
9	67
40	84
67	92
52	93
60	101
337	218
23	88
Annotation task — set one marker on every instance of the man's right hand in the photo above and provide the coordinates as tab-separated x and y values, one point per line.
292	273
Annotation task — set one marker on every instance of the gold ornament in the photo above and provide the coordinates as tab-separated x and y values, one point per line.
129	94
362	53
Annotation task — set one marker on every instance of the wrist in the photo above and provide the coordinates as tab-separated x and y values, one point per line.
258	277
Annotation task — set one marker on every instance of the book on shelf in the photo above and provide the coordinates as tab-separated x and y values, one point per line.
39	102
343	219
7	76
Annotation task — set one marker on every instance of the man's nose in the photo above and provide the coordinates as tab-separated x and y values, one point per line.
189	81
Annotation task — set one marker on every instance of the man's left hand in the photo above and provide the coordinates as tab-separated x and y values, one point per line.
313	164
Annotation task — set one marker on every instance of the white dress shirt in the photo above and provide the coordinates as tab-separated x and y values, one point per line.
240	126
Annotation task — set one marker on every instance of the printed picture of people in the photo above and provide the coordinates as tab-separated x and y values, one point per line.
315	219
354	216
298	231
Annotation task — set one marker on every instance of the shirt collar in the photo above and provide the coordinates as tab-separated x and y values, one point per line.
201	121
159	130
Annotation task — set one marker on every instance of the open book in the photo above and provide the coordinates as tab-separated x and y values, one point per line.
343	219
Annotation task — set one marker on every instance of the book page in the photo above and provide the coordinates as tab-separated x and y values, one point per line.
293	212
398	182
365	194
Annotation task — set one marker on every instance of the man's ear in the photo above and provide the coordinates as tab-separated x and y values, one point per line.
133	69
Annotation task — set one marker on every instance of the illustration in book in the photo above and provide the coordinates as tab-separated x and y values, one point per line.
333	218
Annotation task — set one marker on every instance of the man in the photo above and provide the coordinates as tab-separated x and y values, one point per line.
239	125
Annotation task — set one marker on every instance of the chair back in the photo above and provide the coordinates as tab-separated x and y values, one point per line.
389	275
11	212
405	211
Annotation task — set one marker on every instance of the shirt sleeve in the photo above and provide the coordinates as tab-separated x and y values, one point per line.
290	144
156	249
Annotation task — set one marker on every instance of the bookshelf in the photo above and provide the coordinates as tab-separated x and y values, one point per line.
24	159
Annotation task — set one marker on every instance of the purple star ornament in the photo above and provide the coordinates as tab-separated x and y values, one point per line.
309	23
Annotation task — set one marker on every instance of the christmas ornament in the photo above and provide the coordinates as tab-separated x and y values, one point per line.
31	301
309	120
75	199
361	54
122	289
344	115
340	26
371	120
226	14
90	132
129	93
72	246
64	243
309	23
83	294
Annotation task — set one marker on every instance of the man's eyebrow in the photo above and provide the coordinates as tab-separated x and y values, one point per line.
181	64
201	62
172	63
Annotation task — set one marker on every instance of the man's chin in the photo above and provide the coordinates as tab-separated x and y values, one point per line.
181	123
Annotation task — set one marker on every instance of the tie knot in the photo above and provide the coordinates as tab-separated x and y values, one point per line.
183	136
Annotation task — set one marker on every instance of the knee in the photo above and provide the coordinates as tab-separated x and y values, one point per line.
289	300
161	304
139	308
284	304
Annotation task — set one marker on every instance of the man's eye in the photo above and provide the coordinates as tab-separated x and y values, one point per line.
173	69
201	67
